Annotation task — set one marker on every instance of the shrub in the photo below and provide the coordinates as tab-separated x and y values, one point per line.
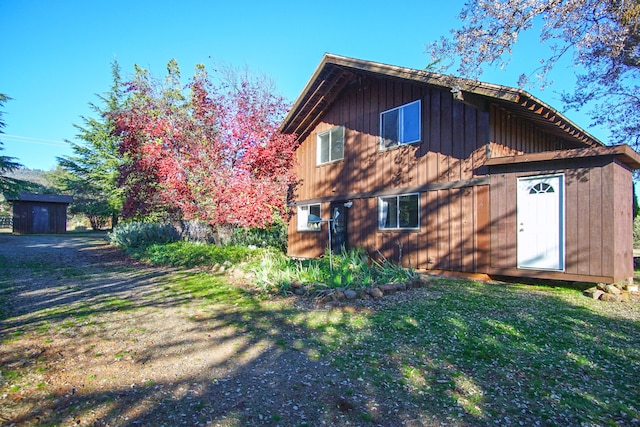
142	234
274	236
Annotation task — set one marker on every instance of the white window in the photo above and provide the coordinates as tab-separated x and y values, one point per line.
331	145
400	125
306	213
399	212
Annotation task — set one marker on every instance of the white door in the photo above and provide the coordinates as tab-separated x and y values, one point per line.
540	216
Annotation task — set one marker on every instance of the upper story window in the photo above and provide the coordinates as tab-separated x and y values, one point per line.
304	212
399	212
400	125
331	145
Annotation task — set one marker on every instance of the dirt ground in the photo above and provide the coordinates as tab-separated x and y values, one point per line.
90	338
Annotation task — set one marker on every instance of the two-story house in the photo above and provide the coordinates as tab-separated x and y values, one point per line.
453	175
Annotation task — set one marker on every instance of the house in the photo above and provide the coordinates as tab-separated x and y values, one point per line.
451	175
40	213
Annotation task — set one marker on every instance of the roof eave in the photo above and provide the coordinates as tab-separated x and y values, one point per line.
514	99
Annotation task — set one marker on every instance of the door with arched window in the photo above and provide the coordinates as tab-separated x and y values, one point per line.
540	222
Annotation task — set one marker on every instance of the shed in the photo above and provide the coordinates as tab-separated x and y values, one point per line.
40	213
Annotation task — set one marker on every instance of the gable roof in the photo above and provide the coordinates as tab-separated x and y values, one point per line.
335	72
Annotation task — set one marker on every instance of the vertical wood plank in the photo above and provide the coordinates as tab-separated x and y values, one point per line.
596	216
571	224
482	229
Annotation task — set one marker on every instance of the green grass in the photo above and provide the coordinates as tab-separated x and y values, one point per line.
188	254
456	352
488	353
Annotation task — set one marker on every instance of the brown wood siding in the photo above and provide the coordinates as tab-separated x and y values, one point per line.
623	218
23	218
454	137
598	236
511	135
458	227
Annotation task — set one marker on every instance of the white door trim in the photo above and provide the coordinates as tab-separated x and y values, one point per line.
540	222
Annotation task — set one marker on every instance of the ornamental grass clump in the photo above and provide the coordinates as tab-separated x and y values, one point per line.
352	269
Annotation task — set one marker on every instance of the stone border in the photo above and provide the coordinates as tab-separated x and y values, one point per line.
328	295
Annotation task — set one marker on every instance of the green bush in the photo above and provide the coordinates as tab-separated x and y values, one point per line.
134	235
274	236
636	232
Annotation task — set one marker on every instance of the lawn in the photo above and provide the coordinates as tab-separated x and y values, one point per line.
490	353
453	352
468	352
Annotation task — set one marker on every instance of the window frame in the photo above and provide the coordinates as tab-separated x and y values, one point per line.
304	227
400	122
382	216
328	132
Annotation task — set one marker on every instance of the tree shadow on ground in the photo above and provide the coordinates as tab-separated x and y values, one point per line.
456	353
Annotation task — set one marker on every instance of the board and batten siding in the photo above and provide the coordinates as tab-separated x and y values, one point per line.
23	217
598	229
512	135
447	168
453	230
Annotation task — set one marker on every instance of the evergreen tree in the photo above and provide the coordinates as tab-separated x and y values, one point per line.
90	174
8	186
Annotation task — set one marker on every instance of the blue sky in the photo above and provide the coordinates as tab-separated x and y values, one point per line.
57	55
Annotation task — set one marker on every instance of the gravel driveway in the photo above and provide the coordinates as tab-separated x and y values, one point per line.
91	338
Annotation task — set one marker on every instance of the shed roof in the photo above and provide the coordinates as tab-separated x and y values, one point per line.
43	198
623	153
335	72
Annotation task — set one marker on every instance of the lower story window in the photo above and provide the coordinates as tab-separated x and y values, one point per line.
307	213
399	212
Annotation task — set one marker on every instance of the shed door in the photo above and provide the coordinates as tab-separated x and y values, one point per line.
40	219
540	216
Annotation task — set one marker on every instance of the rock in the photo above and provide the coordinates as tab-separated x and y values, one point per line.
388	288
401	286
420	282
338	295
296	284
594	293
610	297
350	294
298	291
612	289
602	287
632	287
375	292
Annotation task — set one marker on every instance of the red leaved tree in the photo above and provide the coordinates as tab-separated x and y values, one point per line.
206	152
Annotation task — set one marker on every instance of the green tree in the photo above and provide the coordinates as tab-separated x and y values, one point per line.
90	174
8	185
